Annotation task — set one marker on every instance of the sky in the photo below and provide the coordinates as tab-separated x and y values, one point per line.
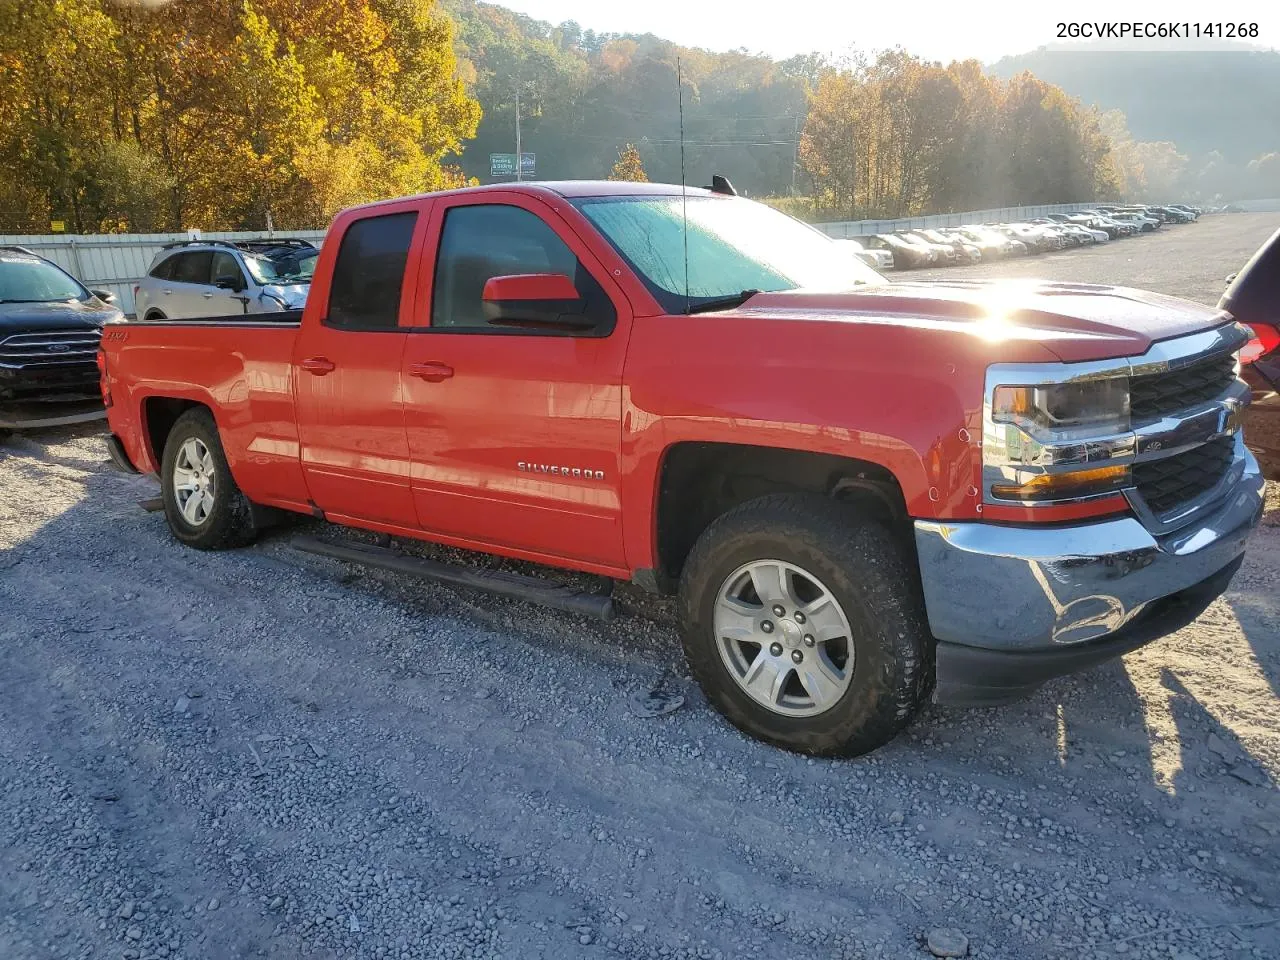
949	30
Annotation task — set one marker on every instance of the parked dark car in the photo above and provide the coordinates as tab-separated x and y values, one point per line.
1253	298
905	255
965	249
50	325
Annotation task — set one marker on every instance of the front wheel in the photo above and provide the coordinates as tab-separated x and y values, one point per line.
202	503
804	625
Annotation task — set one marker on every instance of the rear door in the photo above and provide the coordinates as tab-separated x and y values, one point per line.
515	434
189	282
355	455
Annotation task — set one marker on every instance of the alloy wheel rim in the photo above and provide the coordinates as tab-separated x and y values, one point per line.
193	481
784	638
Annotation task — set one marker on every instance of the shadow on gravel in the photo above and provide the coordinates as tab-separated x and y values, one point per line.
1211	751
1260	632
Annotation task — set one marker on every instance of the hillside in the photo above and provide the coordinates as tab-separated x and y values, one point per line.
1202	101
584	95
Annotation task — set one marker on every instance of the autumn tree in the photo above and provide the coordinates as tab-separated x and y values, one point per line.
629	165
899	136
215	114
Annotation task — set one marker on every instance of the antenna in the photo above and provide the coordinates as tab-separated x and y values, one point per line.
684	194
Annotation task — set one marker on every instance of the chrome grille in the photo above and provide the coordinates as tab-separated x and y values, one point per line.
1156	395
1168	483
49	348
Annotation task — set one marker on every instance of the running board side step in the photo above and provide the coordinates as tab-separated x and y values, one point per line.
597	606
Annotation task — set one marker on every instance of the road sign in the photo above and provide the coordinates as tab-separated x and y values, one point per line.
57	226
504	164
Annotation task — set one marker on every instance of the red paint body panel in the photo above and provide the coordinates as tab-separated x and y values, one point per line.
484	441
550	448
244	374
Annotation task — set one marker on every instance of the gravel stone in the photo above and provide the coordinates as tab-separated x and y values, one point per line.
946	942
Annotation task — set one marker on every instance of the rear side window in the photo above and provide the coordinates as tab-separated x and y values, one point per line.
193	267
369	272
164	269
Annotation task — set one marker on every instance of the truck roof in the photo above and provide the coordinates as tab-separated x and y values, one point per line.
563	188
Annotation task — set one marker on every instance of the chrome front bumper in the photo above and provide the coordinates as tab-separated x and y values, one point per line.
1028	589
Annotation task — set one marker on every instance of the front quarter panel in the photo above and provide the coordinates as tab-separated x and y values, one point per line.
906	397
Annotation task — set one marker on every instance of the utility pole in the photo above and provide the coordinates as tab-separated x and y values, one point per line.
518	164
795	153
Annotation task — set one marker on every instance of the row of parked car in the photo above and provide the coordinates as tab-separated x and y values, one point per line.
51	323
972	243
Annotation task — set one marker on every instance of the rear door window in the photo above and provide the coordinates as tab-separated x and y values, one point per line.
193	267
368	274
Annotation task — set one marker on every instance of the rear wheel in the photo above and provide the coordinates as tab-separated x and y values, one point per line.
804	625
202	503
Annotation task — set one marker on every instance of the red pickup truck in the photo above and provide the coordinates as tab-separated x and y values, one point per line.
865	493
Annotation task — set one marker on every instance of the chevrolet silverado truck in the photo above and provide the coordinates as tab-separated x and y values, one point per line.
864	493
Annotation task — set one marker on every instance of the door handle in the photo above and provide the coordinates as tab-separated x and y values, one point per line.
166	292
431	372
208	296
319	365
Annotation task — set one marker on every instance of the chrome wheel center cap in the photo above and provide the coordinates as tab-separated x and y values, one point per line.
790	634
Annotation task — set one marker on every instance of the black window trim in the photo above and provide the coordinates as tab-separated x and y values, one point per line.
602	332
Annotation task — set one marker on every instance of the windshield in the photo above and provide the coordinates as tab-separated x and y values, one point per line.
29	280
285	268
734	245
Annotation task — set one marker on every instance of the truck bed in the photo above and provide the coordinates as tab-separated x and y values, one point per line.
240	367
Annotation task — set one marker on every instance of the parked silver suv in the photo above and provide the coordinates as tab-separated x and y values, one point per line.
213	278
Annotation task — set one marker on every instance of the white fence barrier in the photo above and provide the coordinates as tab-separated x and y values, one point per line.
116	261
864	228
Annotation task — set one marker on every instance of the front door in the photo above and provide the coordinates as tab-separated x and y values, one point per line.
225	301
354	451
515	434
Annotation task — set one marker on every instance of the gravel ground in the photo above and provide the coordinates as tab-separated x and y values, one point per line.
265	753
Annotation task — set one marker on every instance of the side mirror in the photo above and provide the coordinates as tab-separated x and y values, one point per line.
234	284
535	299
106	296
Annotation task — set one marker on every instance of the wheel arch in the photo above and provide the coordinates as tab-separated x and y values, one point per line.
699	481
158	415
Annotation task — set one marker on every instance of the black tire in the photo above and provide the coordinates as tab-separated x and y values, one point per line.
155	315
866	570
229	522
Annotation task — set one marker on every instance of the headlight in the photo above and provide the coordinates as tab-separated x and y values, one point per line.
1055	411
1052	442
